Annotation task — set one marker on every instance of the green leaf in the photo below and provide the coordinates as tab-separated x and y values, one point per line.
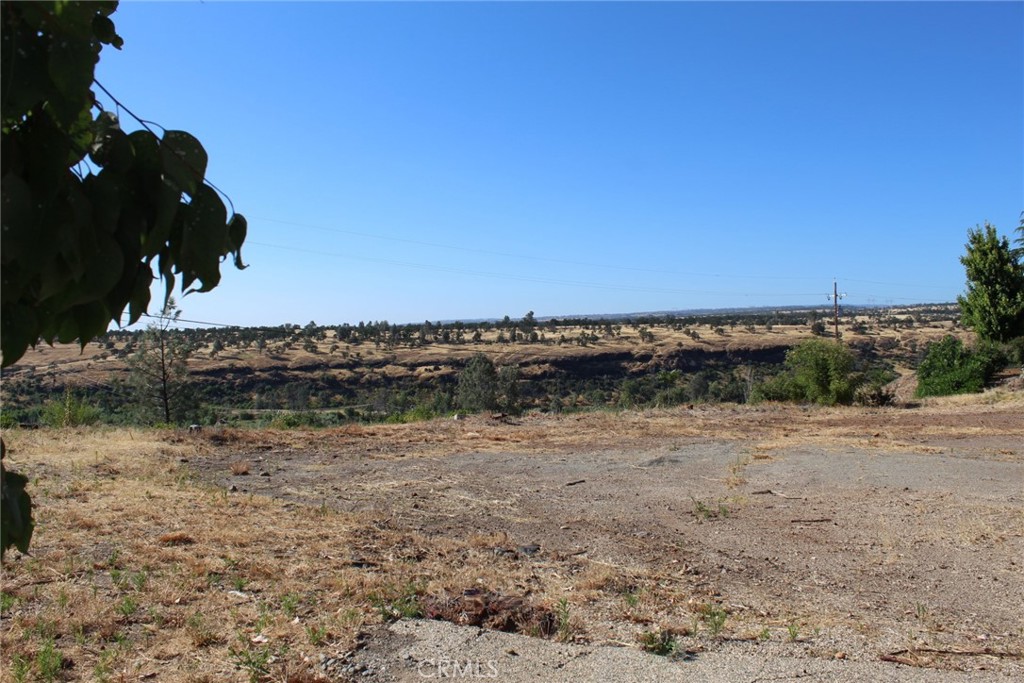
54	278
105	31
66	328
165	266
17	218
20	329
146	148
104	193
92	319
46	153
16	524
139	301
237	229
80	135
167	206
205	233
103	268
184	160
27	85
72	62
112	149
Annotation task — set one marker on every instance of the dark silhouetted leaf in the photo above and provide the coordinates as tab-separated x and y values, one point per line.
206	232
184	160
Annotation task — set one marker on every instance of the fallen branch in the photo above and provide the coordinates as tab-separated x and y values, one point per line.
914	657
775	493
986	651
810	521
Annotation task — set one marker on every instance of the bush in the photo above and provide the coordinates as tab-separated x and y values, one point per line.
293	420
70	411
817	371
876	391
478	382
950	368
635	393
420	413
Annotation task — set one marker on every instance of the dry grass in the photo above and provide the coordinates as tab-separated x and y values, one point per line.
138	571
240	467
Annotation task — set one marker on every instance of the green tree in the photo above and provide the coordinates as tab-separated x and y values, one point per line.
507	388
158	372
1019	251
87	210
529	321
994	302
478	385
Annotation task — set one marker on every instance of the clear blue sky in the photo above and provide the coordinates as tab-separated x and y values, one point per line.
469	160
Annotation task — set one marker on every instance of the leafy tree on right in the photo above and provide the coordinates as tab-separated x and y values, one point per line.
994	302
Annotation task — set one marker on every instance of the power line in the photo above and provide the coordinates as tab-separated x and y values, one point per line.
529	257
526	278
570	262
145	124
185	320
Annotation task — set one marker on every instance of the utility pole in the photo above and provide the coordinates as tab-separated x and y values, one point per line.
835	296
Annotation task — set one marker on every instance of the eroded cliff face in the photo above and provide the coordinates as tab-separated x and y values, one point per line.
352	376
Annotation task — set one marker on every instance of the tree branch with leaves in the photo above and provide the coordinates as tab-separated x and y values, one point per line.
91	215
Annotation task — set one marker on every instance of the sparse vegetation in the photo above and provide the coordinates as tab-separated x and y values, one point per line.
659	642
564	628
299	389
309	575
713	617
255	660
398	602
704	511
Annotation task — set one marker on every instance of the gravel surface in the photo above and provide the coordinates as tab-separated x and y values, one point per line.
843	545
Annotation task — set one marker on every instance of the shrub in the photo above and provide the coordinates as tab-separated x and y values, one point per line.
70	411
478	382
817	371
634	393
293	420
876	390
950	368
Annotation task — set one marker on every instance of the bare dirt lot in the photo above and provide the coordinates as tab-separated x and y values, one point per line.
868	532
886	539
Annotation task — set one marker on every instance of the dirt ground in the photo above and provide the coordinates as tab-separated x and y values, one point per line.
853	534
740	543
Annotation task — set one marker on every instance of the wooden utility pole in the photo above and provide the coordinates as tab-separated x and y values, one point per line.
835	296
